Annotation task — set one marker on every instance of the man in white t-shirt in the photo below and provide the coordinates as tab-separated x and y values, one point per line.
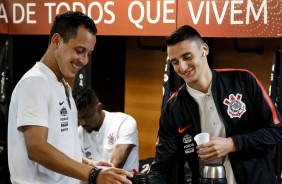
43	145
106	136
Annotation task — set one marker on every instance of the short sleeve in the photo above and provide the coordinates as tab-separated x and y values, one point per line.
128	133
32	98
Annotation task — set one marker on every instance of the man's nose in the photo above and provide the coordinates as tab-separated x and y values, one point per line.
183	66
84	59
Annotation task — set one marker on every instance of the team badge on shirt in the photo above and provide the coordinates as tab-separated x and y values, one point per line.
63	111
87	152
236	108
111	139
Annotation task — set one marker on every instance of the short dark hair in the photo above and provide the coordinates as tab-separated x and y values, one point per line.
185	32
84	96
66	25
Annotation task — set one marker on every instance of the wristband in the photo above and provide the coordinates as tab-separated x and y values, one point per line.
93	175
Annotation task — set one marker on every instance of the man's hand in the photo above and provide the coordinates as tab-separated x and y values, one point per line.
90	162
216	148
114	175
102	163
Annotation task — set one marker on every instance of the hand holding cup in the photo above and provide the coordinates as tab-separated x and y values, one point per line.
202	138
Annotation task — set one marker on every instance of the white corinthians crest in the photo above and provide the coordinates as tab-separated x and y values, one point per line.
236	108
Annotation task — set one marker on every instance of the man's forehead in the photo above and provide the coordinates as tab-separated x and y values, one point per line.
181	50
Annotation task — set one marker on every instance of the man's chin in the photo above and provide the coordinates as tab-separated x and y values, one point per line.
93	129
88	130
71	75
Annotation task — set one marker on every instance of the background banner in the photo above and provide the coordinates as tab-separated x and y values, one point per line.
212	18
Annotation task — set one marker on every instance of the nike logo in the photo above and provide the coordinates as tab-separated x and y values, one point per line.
61	103
183	129
87	148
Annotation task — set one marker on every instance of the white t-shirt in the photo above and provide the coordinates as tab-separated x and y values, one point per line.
212	123
40	100
117	128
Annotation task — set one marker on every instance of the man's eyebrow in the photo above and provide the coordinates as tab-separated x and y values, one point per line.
80	47
182	55
186	53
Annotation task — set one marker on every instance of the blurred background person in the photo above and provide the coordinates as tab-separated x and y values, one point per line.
106	136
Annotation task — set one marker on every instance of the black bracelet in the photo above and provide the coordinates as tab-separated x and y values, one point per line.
93	175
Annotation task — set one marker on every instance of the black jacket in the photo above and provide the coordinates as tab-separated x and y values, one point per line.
249	117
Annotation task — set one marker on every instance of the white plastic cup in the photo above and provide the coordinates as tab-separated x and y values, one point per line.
202	138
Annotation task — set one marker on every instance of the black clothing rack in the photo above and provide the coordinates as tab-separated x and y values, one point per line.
279	153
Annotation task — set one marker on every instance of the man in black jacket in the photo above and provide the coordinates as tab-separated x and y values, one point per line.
230	104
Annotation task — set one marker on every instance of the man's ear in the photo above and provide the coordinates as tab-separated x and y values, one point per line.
206	49
100	106
56	39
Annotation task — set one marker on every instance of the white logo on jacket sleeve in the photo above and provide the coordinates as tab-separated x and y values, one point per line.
189	146
236	108
187	139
